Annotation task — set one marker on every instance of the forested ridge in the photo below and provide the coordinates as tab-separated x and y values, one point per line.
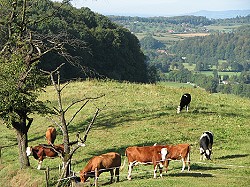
196	49
207	50
110	50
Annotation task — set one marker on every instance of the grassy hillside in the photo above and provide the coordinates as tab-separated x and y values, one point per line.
143	114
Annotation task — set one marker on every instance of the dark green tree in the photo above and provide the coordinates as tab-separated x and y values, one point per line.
149	42
21	50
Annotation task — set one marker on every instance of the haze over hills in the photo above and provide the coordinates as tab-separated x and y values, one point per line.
206	13
221	14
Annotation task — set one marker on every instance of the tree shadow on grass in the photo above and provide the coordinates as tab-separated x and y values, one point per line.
37	138
113	119
233	156
198	167
190	174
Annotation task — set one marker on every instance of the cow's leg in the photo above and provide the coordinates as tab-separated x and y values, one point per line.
201	153
155	169
188	161
166	165
117	173
112	175
39	164
130	167
183	164
96	176
160	169
187	108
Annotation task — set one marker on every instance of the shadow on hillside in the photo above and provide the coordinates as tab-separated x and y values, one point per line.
42	138
233	156
111	120
7	146
205	110
198	167
190	174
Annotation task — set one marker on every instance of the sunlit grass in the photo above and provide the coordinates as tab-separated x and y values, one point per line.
144	114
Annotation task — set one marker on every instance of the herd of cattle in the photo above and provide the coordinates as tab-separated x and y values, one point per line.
157	155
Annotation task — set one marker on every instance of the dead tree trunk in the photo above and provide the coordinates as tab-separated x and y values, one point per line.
63	124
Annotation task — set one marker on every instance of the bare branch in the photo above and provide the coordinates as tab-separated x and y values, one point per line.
78	101
48	72
72	118
50	118
57	111
51	146
66	84
89	127
81	144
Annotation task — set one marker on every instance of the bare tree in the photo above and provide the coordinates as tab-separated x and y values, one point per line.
60	111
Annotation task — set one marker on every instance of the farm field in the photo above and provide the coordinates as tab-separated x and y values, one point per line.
142	114
210	73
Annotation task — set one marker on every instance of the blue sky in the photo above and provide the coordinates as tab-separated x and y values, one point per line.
159	7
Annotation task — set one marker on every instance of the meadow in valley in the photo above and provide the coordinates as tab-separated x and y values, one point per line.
142	114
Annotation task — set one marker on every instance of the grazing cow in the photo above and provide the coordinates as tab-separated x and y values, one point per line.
145	155
206	143
103	163
185	101
40	152
50	135
178	152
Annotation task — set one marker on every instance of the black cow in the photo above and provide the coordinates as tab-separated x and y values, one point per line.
206	143
185	101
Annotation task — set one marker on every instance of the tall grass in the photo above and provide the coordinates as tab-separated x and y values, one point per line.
144	114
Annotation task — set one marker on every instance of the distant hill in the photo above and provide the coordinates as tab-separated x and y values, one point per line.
221	14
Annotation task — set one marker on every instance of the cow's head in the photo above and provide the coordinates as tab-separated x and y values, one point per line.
29	151
208	154
164	153
178	109
83	176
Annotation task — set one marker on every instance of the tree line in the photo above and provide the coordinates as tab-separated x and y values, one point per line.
206	51
192	20
238	85
110	50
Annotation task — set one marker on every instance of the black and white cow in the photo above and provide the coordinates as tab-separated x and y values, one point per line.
206	143
185	101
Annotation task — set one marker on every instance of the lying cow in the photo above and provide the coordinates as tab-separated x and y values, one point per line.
206	143
40	152
103	163
145	155
50	135
185	101
178	152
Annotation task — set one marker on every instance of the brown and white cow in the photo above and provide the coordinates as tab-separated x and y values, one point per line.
102	163
178	152
40	152
145	155
50	135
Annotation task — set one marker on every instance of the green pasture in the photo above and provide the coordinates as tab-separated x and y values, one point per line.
142	114
222	28
163	37
210	73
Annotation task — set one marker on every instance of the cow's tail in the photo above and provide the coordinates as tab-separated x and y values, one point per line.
124	162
